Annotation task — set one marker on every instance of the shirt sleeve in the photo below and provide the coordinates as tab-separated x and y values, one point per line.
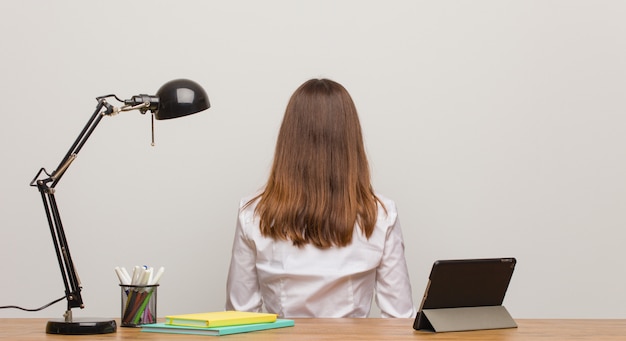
393	287
242	286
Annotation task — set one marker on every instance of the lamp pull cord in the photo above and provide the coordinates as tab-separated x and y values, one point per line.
152	144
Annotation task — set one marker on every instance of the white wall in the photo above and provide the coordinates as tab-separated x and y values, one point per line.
499	127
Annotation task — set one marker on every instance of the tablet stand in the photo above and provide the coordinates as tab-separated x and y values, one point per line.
465	318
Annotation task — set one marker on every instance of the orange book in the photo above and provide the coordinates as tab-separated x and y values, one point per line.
219	319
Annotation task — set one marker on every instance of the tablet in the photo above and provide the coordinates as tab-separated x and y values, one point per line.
465	283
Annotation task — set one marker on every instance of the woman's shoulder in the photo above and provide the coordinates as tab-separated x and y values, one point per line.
249	200
386	208
247	207
385	200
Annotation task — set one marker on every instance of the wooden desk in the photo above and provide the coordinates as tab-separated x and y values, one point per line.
348	329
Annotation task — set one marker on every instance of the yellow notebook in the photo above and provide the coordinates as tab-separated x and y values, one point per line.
219	319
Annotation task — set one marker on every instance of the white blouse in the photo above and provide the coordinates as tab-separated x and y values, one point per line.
311	282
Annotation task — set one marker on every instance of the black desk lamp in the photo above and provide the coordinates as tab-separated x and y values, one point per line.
174	99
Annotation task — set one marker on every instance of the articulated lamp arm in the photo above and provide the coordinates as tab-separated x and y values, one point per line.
174	99
46	187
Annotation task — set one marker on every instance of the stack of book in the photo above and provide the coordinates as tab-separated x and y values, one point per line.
217	323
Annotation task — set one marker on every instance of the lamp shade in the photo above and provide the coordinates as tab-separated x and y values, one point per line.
180	97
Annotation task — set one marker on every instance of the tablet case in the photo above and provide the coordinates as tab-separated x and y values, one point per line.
466	294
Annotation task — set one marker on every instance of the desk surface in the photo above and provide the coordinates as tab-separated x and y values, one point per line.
349	329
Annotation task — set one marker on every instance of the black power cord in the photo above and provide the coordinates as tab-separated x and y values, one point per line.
36	309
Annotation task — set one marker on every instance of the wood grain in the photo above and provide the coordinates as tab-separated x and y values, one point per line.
351	329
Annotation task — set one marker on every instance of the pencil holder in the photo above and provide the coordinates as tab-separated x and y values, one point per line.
139	304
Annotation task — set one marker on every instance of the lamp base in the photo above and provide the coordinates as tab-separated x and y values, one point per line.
83	326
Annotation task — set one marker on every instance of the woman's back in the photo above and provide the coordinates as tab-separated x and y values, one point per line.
311	282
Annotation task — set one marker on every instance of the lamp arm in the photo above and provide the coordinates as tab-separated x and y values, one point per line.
46	187
81	139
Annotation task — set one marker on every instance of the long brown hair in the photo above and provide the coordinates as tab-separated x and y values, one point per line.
319	186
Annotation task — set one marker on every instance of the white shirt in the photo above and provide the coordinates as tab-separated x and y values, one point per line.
311	282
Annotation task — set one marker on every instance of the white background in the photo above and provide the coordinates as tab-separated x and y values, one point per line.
499	127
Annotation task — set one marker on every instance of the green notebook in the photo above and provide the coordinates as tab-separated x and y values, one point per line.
216	331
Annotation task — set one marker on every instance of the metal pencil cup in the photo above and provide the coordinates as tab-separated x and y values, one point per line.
139	304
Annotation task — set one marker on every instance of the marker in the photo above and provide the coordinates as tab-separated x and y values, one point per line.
157	277
145	276
136	275
127	277
121	277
